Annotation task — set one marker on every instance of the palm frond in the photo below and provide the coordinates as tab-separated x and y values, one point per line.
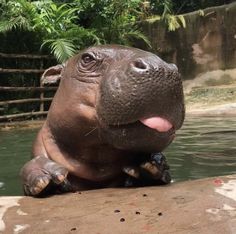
61	48
18	22
136	34
6	26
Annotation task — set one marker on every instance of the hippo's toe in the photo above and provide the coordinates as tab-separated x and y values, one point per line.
154	170
41	174
38	184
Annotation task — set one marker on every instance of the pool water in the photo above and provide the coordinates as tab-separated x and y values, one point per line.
204	147
15	150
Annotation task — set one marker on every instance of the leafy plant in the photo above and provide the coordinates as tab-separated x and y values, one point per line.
162	10
56	24
65	27
16	14
61	34
61	48
114	21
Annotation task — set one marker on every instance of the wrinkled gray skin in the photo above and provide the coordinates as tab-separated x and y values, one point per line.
92	137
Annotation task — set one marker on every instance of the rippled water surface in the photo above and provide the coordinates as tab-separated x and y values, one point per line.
203	147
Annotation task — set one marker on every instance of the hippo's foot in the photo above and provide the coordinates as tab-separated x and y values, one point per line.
41	176
154	171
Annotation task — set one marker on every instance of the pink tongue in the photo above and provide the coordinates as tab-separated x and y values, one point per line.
158	123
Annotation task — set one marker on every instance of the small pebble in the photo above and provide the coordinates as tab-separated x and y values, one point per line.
122	220
160	214
137	212
76	192
73	229
116	211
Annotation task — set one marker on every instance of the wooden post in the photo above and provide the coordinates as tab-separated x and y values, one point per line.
40	99
41	109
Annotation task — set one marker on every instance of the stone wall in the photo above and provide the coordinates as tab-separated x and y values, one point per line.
207	43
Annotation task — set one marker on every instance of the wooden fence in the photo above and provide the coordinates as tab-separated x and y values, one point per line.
40	89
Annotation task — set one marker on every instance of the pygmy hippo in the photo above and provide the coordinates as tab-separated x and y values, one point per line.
115	110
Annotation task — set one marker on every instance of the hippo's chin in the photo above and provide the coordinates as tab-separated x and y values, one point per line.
137	137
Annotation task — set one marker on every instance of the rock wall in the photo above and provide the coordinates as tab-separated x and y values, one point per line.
207	43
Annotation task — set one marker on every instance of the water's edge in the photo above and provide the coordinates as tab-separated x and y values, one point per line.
204	147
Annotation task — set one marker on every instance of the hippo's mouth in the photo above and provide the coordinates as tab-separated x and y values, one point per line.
144	135
157	123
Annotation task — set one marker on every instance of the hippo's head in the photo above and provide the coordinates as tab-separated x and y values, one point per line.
131	96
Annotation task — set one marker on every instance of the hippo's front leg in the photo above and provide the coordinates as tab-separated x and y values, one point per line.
40	174
153	171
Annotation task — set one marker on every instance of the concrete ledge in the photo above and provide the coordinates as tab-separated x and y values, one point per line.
214	111
200	206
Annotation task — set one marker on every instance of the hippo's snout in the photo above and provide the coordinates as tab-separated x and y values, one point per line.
143	87
141	97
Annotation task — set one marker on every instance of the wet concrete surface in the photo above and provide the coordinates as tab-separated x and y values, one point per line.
199	206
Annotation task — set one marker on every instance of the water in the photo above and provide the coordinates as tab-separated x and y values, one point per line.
15	150
204	147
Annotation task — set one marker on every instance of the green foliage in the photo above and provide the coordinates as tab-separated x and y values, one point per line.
61	34
114	21
53	18
185	6
201	12
169	11
61	48
67	26
163	11
55	23
16	14
175	21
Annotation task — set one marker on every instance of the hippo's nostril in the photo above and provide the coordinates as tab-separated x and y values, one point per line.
140	64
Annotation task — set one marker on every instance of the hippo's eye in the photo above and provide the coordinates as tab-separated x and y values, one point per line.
87	58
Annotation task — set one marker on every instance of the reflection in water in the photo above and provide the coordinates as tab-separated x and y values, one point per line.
1	184
203	147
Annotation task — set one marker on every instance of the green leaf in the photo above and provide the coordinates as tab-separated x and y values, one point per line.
61	48
18	22
153	18
201	12
182	20
136	34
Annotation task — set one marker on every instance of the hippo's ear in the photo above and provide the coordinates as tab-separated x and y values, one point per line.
52	75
